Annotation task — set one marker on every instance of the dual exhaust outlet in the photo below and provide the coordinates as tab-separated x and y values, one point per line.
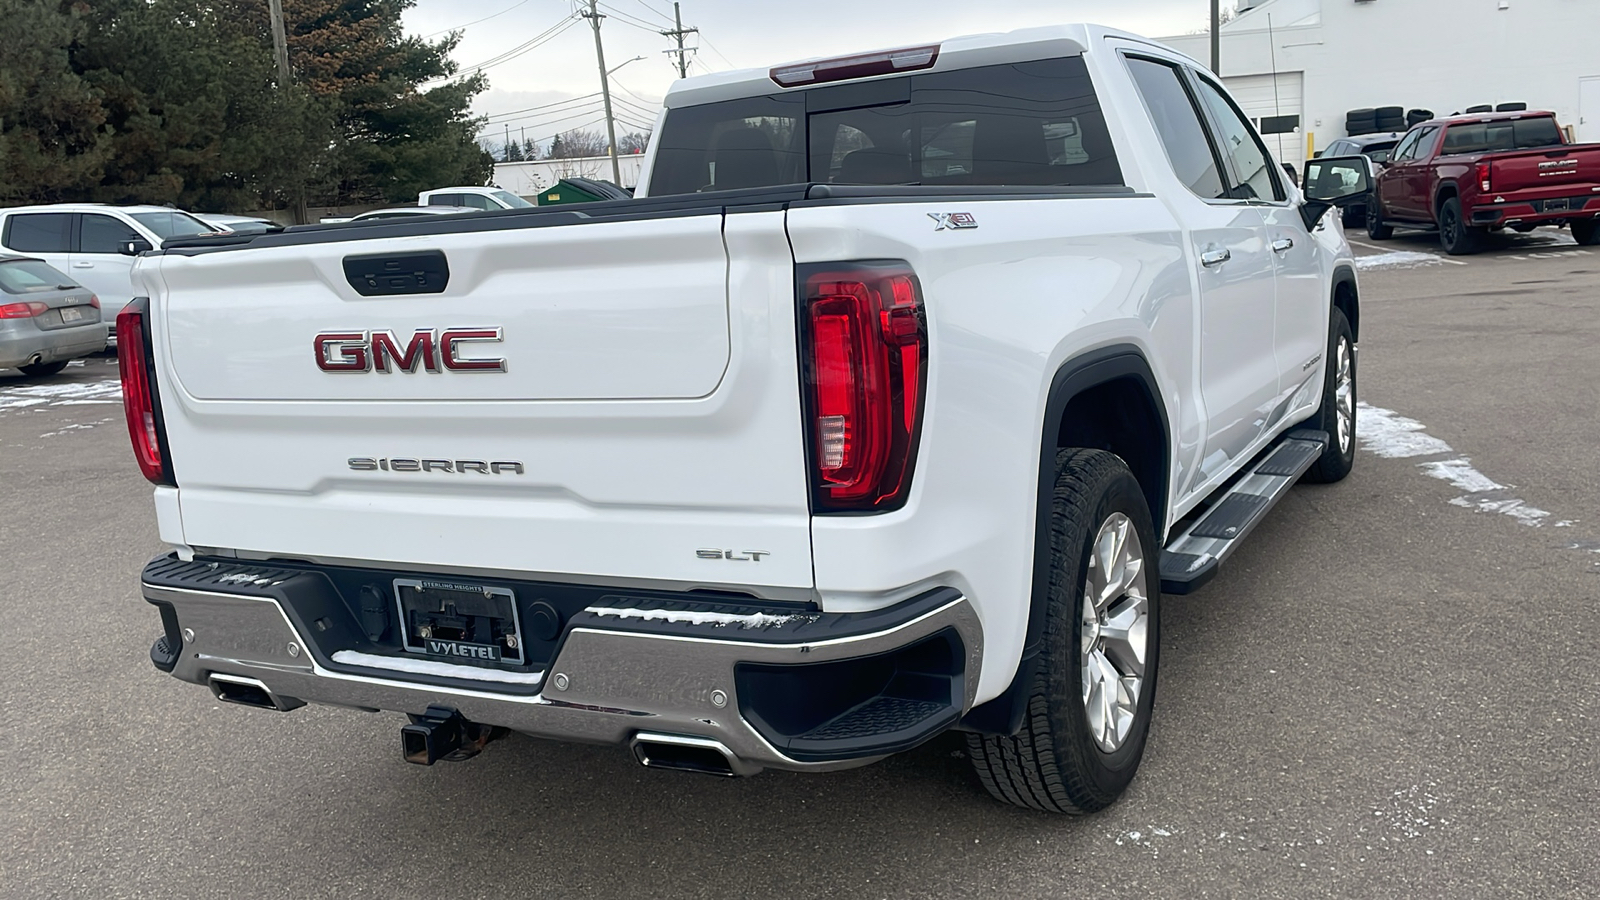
443	734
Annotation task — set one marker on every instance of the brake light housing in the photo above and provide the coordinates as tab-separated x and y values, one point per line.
23	310
140	402
864	356
1484	183
864	65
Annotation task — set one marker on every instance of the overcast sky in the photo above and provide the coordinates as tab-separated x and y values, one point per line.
561	70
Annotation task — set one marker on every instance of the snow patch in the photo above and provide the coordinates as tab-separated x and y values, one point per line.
1460	473
1397	259
109	391
1393	436
720	620
439	669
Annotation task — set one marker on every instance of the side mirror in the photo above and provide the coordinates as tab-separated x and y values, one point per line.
1334	181
134	247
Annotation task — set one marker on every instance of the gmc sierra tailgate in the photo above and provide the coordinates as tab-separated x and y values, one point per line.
579	398
1572	169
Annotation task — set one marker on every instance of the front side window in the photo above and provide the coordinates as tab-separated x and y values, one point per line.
39	232
172	224
104	234
1252	165
512	201
1031	123
1177	123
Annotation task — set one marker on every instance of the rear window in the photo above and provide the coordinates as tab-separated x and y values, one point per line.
1511	134
39	232
1032	123
25	276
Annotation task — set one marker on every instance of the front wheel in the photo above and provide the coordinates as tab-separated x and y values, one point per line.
1337	415
1587	232
41	370
1455	235
1089	706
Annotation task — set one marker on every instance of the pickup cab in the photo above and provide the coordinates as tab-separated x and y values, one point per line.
1469	175
894	404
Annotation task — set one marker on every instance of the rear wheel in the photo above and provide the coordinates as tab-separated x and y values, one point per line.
1457	237
39	370
1375	227
1587	233
1089	705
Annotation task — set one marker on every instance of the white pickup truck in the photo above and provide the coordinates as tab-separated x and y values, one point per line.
892	405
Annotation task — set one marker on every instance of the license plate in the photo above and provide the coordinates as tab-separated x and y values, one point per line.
458	621
1555	205
71	315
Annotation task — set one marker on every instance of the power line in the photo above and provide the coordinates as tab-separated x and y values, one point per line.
652	9
542	38
546	121
719	53
476	21
529	109
626	19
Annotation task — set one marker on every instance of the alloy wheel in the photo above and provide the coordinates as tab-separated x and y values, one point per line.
1344	394
1116	614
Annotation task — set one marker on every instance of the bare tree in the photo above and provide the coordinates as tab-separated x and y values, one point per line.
634	142
577	144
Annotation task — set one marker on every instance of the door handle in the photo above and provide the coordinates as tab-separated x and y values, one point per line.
1215	257
83	265
1282	244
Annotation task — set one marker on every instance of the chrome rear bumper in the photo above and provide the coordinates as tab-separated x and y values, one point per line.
605	684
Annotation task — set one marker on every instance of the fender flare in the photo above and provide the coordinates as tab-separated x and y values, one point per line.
1004	714
1346	274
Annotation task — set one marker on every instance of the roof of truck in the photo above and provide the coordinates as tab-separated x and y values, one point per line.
954	53
1474	118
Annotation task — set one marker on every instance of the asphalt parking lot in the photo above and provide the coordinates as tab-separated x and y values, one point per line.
1392	691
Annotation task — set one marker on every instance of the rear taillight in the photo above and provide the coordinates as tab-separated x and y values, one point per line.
1483	178
94	301
23	310
866	352
139	399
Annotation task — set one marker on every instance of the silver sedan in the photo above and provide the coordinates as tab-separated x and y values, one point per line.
45	319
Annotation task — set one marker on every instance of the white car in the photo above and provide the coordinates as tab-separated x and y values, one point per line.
239	224
87	240
473	197
894	407
406	212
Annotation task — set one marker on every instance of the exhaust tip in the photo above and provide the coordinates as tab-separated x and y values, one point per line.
248	692
687	754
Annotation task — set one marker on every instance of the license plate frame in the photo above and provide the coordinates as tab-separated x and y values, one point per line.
457	609
1560	204
71	314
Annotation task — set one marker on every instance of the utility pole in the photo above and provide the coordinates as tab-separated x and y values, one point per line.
507	151
1216	38
594	17
679	32
280	41
280	49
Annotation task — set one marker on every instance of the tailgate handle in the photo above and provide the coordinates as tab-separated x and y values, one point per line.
389	274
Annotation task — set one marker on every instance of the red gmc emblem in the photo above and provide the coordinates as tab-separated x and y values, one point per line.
433	351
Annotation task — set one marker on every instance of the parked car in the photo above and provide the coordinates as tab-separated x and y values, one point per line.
45	319
410	212
87	239
239	224
1375	147
1469	175
787	464
473	197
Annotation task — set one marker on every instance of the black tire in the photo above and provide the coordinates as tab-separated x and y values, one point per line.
1455	235
41	370
1586	232
1054	763
1336	461
1376	229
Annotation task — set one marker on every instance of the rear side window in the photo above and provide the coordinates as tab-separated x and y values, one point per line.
39	232
28	275
104	234
1252	165
1511	134
1177	121
1032	123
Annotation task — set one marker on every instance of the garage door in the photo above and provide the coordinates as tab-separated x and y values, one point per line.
1256	96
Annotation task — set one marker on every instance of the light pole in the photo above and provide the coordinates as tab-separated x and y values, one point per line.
615	68
1216	38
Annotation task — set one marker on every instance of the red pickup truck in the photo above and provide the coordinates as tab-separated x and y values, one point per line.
1469	175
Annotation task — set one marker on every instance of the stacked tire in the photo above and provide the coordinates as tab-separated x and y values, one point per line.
1416	117
1361	121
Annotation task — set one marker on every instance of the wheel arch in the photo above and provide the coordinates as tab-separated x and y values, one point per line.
1446	189
1347	298
1105	399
